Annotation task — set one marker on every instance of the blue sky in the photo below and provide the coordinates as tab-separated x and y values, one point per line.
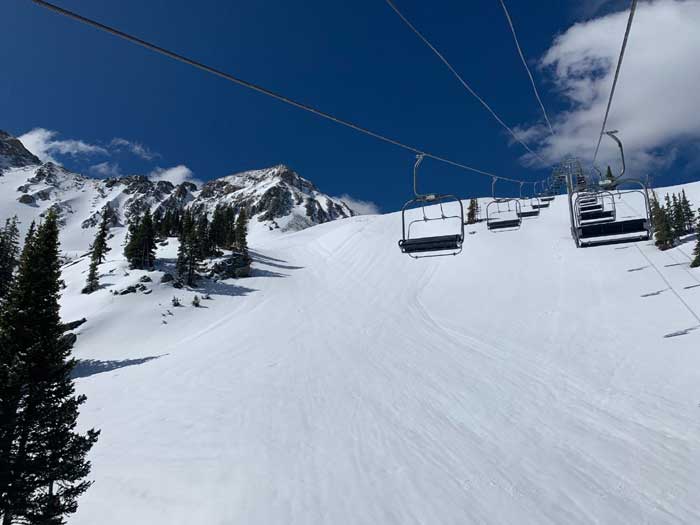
354	59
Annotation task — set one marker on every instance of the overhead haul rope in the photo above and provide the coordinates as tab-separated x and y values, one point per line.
463	82
259	89
527	68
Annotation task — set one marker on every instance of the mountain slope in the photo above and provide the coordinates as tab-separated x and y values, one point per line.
524	381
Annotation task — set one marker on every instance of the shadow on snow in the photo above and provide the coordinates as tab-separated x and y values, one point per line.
91	367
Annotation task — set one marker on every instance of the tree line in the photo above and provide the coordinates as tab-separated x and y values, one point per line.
674	219
43	465
200	238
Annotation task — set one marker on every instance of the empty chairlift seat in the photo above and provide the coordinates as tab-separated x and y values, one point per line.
527	210
591	208
431	244
424	212
503	224
526	213
509	219
597	215
419	245
614	232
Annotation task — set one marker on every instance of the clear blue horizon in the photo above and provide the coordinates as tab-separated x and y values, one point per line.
353	59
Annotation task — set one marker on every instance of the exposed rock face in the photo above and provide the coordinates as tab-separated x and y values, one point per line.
27	199
13	154
235	265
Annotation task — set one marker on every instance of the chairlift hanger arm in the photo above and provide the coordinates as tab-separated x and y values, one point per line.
421	196
613	135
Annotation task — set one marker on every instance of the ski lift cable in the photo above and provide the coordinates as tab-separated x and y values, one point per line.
258	88
527	68
463	82
633	8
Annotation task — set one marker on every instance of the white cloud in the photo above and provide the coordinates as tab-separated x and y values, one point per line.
106	169
136	148
176	175
43	144
359	206
656	104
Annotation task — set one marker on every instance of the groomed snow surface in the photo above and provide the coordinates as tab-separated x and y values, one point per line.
524	381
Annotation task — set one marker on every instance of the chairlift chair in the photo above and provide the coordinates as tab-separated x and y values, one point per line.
498	224
592	224
532	211
430	246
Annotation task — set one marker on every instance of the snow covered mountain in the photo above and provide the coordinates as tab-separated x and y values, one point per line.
276	198
524	381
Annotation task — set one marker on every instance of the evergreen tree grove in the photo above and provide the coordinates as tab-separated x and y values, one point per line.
140	248
42	459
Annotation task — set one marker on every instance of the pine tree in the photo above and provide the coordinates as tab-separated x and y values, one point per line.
662	226
679	222
472	211
241	232
203	234
696	250
688	214
99	245
655	207
670	219
42	459
189	252
9	252
218	226
93	279
148	236
131	248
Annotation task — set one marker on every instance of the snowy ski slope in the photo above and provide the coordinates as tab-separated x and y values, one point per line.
524	381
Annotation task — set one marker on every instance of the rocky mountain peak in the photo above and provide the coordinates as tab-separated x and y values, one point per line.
278	196
13	154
